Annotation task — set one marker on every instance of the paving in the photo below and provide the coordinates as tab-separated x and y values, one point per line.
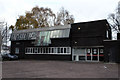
58	69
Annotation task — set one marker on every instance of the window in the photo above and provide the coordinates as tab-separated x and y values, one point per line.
28	50
61	50
44	51
64	50
16	50
94	51
58	50
88	51
101	50
41	50
47	50
68	50
107	34
52	50
55	50
35	50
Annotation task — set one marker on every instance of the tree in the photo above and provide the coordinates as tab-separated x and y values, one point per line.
1	24
4	34
42	17
63	17
114	20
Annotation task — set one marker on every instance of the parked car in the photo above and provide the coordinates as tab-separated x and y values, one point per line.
7	56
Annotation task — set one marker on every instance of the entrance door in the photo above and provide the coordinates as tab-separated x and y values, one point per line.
92	54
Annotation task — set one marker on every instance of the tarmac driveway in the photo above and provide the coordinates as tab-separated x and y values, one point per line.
58	69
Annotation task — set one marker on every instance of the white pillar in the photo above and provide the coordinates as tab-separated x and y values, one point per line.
91	54
77	57
98	54
85	54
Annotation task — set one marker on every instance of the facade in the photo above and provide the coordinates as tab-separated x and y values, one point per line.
112	50
78	42
87	40
52	43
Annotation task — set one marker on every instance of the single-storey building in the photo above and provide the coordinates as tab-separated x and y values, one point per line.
82	41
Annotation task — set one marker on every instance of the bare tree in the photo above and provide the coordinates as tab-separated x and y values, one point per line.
5	34
63	17
114	20
1	24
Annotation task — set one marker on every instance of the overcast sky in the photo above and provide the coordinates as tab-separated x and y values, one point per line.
83	10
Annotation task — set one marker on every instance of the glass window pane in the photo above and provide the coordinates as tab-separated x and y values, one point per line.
52	50
17	50
46	50
61	50
58	50
68	50
64	50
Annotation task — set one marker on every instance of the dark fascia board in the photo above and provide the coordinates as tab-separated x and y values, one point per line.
88	46
111	40
111	43
61	38
102	20
91	36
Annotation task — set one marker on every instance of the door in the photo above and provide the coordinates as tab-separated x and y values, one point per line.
95	54
92	54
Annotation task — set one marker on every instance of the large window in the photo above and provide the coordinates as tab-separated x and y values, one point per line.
48	50
44	36
61	33
79	51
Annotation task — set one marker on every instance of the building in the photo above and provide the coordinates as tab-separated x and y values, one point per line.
42	43
112	50
78	42
87	40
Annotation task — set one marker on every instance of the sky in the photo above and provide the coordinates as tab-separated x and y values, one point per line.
82	10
